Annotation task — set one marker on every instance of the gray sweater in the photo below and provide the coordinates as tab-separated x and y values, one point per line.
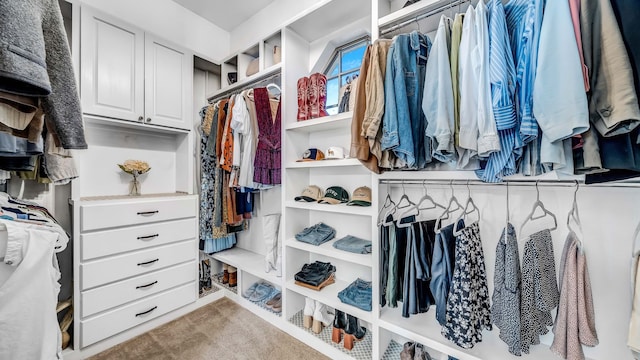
35	61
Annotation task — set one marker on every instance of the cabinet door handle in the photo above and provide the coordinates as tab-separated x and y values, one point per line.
146	312
148	262
148	237
145	213
140	118
148	119
146	286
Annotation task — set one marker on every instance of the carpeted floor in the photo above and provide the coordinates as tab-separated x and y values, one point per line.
220	330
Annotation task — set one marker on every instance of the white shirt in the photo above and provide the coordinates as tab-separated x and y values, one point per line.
29	290
243	125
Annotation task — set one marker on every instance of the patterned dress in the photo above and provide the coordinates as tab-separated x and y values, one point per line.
267	161
468	311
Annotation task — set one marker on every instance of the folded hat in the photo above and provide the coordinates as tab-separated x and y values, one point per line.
361	197
312	154
335	195
334	152
310	194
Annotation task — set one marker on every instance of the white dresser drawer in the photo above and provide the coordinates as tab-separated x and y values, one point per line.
116	294
128	316
102	271
109	214
109	242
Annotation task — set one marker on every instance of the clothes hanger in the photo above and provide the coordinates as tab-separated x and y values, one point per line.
386	206
466	212
508	211
573	214
417	209
545	212
398	206
446	213
272	86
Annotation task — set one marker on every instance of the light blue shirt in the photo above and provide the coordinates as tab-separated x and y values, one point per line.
502	75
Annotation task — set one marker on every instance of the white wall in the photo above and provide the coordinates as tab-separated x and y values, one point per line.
267	21
170	21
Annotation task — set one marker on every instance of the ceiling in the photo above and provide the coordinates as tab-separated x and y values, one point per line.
224	13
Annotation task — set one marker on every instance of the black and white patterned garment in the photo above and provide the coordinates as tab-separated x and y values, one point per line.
468	311
540	292
505	310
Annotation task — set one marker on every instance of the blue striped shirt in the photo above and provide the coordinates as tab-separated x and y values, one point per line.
524	21
503	82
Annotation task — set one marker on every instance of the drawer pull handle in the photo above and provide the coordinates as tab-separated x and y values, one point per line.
146	312
148	262
148	237
146	286
145	213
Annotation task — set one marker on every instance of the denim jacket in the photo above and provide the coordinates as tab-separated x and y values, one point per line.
404	123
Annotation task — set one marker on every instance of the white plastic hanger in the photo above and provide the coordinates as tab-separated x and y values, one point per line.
506	225
400	205
449	210
467	211
386	206
574	215
418	209
545	212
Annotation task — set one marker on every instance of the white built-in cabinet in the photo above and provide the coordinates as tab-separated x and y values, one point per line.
131	75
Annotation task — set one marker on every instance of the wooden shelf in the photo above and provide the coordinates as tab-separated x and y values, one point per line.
323	163
248	261
327	249
329	296
340	208
332	122
425	329
248	80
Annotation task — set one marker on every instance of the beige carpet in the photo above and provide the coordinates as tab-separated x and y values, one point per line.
220	330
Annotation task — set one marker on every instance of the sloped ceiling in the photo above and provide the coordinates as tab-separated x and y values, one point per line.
227	14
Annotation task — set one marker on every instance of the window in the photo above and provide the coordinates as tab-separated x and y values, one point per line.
343	67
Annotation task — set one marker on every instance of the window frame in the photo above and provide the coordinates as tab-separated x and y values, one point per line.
336	58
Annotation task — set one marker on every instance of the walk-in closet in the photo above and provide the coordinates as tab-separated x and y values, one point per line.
320	179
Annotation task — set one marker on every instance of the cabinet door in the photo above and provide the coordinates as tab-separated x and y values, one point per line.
168	84
112	67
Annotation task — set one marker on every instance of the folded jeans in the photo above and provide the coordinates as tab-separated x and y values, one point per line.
353	244
317	234
316	273
358	294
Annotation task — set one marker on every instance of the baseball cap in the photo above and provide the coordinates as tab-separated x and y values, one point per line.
334	152
335	195
361	197
312	154
311	193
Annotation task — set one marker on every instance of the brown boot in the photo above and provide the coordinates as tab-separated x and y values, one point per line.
303	99
313	97
233	276
225	273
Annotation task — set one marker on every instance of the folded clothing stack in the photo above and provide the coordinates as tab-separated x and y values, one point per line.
353	244
316	275
317	234
357	294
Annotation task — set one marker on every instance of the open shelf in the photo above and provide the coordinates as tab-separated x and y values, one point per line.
248	261
332	122
468	175
361	349
323	163
338	209
329	296
313	23
327	249
247	80
425	329
263	305
411	11
217	281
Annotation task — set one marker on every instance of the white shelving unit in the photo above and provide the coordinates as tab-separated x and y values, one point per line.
329	296
337	209
327	249
248	261
338	121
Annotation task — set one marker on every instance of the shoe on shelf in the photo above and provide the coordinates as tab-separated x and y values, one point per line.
408	351
275	303
421	353
353	332
339	323
225	273
322	317
233	276
309	308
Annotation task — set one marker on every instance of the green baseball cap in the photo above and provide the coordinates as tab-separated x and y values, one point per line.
335	195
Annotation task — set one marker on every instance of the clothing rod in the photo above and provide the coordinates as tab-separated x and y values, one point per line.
248	85
424	15
529	183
